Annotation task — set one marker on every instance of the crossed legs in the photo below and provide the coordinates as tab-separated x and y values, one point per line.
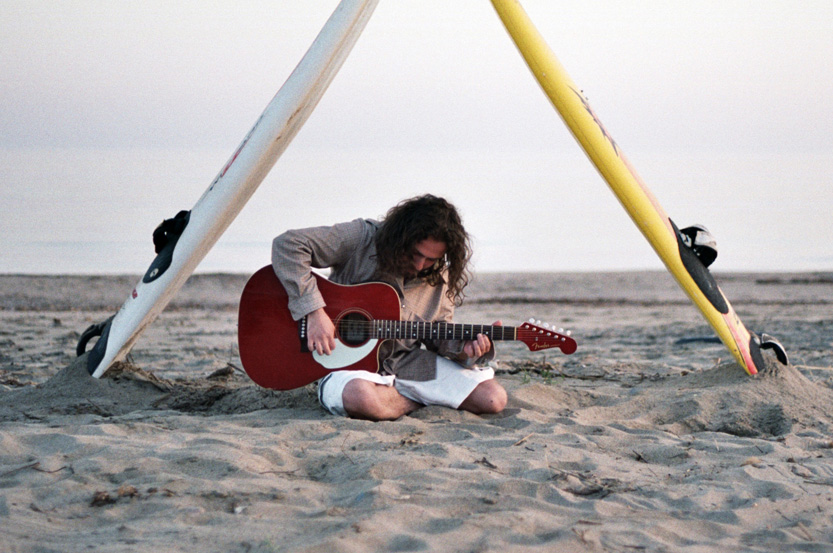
364	399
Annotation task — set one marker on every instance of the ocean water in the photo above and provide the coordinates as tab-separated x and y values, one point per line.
93	211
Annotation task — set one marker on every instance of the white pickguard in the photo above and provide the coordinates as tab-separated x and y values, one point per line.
344	356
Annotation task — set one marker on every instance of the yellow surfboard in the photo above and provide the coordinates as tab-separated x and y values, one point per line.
663	235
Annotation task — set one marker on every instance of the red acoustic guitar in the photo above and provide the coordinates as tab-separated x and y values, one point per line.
273	346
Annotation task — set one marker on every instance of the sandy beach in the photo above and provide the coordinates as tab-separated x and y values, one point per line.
648	438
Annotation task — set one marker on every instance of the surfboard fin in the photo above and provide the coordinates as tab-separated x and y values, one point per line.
165	237
768	342
170	230
102	330
92	331
701	242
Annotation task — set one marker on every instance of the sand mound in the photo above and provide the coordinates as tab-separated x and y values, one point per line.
769	404
725	399
126	388
73	392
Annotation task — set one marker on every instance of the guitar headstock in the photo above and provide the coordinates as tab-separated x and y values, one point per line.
537	337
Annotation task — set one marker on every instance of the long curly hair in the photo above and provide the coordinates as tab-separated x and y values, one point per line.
417	219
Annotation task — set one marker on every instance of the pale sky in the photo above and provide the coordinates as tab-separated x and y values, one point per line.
433	84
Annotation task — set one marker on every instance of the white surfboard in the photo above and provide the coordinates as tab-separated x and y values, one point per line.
233	186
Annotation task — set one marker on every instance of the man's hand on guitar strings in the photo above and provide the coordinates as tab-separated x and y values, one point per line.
320	332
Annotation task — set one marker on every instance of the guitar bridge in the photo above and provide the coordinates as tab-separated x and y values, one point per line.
302	334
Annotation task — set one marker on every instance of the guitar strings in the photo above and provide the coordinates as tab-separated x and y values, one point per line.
401	324
427	328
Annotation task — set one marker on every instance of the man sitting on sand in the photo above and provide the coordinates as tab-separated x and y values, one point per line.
423	251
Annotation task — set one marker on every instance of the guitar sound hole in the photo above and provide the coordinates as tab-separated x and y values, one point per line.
353	329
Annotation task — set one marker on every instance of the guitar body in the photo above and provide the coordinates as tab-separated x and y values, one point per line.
272	348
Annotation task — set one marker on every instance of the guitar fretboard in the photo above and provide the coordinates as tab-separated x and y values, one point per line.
404	330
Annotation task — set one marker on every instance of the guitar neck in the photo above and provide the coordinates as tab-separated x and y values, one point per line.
357	330
409	330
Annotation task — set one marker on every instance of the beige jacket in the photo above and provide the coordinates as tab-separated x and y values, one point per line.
348	250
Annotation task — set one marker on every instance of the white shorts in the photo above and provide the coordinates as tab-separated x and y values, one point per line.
450	388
